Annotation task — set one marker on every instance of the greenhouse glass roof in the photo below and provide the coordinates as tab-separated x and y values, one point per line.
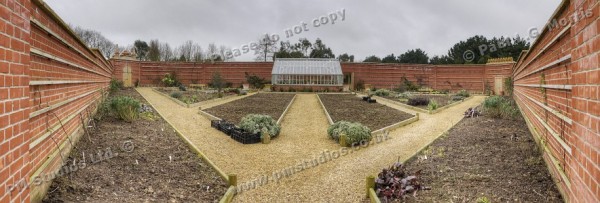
306	66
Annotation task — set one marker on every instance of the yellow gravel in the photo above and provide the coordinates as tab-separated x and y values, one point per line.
304	136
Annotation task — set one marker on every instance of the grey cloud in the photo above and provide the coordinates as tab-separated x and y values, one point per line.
371	27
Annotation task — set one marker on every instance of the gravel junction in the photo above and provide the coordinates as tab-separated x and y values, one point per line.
304	137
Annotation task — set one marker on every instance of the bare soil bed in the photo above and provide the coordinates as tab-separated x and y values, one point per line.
261	103
192	95
441	99
349	107
484	157
158	168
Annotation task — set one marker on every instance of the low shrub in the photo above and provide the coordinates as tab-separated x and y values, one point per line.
115	85
457	98
170	80
418	101
463	93
255	81
433	105
500	107
176	95
404	95
182	87
395	183
103	110
382	92
355	132
254	123
126	108
360	85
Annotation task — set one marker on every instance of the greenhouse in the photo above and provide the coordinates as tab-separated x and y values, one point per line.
307	72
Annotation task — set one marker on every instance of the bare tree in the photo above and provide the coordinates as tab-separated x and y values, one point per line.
212	52
266	48
225	53
95	39
197	53
166	54
185	50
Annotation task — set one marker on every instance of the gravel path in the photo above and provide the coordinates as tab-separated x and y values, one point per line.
304	137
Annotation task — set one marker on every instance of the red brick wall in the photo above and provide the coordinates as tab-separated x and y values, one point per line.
49	81
565	111
450	77
14	99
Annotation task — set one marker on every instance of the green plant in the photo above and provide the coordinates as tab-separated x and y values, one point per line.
255	81
355	132
382	92
433	105
103	110
487	88
217	82
407	85
404	95
254	123
463	93
136	83
126	108
170	80
500	107
508	86
176	95
483	200
115	85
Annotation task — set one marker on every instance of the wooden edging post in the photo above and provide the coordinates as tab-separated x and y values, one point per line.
370	183
232	179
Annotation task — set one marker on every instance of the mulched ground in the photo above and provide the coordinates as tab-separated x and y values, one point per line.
192	95
261	103
442	100
161	167
484	157
349	107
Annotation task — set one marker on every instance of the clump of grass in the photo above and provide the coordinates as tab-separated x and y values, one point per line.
500	107
382	92
176	95
463	93
115	85
433	105
126	108
483	199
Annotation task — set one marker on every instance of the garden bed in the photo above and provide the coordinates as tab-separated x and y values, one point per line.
262	103
160	168
191	95
482	157
349	107
441	99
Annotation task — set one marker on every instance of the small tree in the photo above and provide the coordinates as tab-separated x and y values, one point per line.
218	82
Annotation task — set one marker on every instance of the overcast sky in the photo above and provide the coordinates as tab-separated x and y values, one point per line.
370	27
